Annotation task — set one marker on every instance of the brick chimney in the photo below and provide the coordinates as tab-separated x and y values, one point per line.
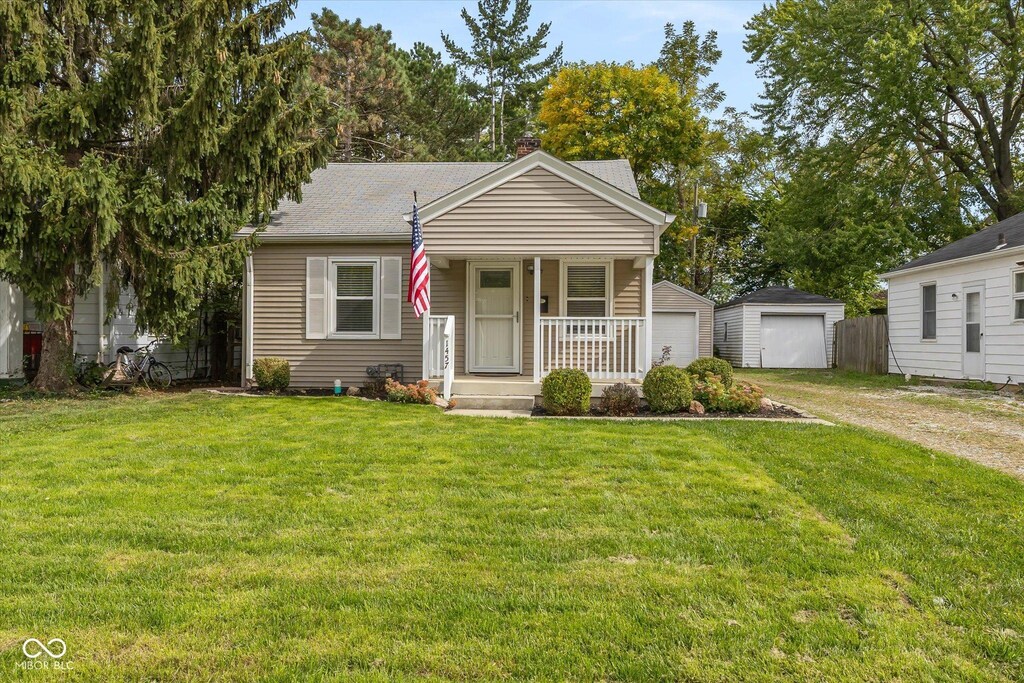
526	144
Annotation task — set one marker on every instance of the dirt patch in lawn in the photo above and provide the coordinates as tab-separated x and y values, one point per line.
985	427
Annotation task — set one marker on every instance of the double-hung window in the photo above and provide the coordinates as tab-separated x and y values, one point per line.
928	311
587	290
1017	295
355	285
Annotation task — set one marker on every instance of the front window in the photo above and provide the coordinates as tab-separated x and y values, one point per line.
1018	295
928	312
355	289
586	290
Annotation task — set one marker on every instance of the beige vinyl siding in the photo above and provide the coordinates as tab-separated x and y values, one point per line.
448	297
539	214
667	298
279	322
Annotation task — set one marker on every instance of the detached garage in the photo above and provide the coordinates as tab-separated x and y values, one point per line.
682	321
777	327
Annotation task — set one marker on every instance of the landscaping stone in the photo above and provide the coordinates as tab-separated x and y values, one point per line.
441	403
351	391
766	404
696	407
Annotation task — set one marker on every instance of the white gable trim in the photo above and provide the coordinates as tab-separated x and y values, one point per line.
543	160
683	290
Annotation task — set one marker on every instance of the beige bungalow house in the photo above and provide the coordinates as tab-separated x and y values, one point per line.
535	264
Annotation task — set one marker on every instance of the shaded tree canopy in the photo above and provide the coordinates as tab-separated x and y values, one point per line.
142	135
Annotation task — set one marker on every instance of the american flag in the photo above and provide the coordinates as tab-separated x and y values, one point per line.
419	271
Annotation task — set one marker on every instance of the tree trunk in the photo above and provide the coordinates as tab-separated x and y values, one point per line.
57	358
219	346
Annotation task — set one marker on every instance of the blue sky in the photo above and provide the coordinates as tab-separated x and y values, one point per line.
591	30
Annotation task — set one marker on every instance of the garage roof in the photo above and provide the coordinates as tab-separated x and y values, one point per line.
779	295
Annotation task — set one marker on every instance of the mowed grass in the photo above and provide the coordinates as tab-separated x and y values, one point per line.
214	538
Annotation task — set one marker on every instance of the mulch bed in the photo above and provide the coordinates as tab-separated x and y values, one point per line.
777	411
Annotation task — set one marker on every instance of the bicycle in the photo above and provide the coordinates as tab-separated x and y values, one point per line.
140	365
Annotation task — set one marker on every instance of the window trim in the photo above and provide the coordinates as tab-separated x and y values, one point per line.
935	312
1015	296
725	337
563	278
332	283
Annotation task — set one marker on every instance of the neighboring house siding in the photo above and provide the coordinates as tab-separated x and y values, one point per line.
943	357
539	214
279	322
10	331
730	349
671	299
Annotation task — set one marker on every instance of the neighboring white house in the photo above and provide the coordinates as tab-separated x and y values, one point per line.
777	327
96	337
958	312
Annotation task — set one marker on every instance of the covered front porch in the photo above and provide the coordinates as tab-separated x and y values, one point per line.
498	324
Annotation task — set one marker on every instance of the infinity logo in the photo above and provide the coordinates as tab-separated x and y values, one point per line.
44	648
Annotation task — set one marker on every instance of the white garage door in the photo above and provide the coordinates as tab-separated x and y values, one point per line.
678	330
793	341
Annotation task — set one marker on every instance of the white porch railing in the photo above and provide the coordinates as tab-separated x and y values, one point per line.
440	351
604	348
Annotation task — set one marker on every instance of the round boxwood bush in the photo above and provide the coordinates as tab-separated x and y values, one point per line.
272	374
566	391
667	389
703	367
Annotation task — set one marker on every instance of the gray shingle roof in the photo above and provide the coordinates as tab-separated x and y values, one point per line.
369	199
779	295
981	242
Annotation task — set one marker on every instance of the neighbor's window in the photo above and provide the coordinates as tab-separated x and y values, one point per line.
586	290
1018	295
355	298
928	312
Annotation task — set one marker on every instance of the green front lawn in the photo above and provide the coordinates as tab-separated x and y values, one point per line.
214	538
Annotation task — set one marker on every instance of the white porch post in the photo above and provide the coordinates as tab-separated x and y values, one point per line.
426	329
648	311
536	320
247	323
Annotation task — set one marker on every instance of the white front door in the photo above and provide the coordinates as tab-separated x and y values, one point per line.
974	332
494	317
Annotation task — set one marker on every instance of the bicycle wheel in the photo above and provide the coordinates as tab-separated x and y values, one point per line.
159	375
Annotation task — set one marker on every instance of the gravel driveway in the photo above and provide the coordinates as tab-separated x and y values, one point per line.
983	426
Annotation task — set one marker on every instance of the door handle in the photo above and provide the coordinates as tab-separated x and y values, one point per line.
517	316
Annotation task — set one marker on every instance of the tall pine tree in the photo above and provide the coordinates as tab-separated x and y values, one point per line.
141	134
508	57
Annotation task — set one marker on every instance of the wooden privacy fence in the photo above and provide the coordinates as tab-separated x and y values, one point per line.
862	345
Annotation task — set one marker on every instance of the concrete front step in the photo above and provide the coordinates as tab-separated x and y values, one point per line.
492	402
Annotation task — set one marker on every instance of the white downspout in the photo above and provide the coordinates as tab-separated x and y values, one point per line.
101	337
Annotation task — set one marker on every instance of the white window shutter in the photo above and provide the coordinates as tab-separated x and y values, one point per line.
316	297
391	297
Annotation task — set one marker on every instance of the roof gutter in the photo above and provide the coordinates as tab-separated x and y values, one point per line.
956	261
312	238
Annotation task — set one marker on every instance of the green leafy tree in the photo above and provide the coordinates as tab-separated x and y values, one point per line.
508	57
141	135
844	214
620	111
365	76
941	80
441	119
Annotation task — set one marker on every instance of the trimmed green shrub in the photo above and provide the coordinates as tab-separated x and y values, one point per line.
620	399
566	391
272	374
703	367
667	389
